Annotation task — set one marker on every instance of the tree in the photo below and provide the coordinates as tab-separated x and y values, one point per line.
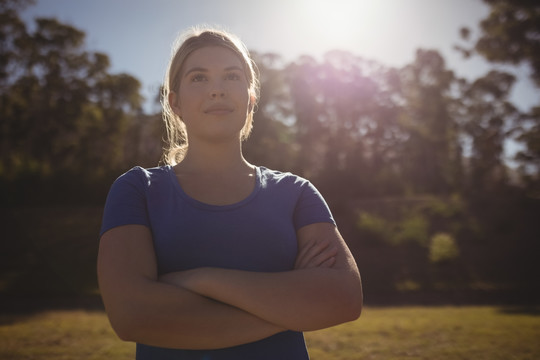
529	157
62	112
271	142
511	34
432	152
345	124
488	121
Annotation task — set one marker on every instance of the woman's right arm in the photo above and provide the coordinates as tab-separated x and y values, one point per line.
143	310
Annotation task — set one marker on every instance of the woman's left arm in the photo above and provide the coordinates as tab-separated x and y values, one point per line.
307	298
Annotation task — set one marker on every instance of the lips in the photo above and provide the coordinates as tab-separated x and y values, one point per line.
218	109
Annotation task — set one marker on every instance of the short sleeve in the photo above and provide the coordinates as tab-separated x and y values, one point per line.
126	201
311	208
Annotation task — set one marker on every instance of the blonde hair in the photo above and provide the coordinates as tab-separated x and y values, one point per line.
194	39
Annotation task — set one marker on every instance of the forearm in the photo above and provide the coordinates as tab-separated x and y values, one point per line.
305	299
162	315
142	309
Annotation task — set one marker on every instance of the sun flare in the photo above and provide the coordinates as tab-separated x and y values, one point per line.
340	23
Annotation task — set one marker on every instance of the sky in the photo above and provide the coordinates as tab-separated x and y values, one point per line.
137	35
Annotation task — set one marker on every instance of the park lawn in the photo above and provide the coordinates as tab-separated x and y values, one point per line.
434	333
441	333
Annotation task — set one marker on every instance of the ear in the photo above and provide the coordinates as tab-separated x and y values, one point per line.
174	103
252	102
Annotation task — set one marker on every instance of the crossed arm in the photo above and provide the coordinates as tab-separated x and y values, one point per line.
209	308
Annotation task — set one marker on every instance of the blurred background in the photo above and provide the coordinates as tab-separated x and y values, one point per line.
418	120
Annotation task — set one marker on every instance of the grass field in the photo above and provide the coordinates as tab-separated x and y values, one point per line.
441	333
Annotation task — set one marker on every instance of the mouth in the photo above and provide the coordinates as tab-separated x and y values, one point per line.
218	109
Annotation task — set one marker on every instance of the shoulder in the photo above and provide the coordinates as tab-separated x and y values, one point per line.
143	177
139	180
309	205
287	184
271	178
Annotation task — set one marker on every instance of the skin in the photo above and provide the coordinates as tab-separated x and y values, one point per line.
209	308
213	100
305	299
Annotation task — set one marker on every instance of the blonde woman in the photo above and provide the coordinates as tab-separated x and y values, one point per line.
209	256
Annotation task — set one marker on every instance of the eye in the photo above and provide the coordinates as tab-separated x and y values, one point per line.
233	76
198	78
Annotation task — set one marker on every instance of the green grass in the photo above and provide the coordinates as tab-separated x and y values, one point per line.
442	333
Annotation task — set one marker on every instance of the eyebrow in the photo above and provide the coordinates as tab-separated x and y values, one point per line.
201	69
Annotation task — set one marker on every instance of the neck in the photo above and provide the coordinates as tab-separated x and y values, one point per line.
214	159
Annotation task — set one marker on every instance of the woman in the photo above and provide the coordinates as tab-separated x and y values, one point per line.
210	257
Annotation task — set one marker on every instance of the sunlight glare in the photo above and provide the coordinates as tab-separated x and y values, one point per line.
342	23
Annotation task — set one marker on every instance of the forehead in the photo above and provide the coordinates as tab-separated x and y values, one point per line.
212	57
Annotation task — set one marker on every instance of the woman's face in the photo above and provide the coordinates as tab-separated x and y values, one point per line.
213	99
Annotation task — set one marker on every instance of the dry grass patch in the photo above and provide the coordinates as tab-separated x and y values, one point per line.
61	335
442	333
446	333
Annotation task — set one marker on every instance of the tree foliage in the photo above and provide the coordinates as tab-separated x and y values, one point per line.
61	108
511	34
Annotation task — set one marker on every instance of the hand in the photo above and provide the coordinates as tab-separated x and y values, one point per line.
316	254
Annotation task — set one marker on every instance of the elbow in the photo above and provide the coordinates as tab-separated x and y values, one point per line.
346	302
130	332
127	318
345	305
125	322
125	330
344	308
123	335
352	301
352	312
356	310
353	305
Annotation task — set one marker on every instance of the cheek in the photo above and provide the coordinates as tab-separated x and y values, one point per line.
242	94
188	97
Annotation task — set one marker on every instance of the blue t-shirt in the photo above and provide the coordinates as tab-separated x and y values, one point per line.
255	234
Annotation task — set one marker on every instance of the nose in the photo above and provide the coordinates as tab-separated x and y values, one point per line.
217	91
217	94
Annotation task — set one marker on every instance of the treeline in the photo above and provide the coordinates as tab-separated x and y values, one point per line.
65	117
412	160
